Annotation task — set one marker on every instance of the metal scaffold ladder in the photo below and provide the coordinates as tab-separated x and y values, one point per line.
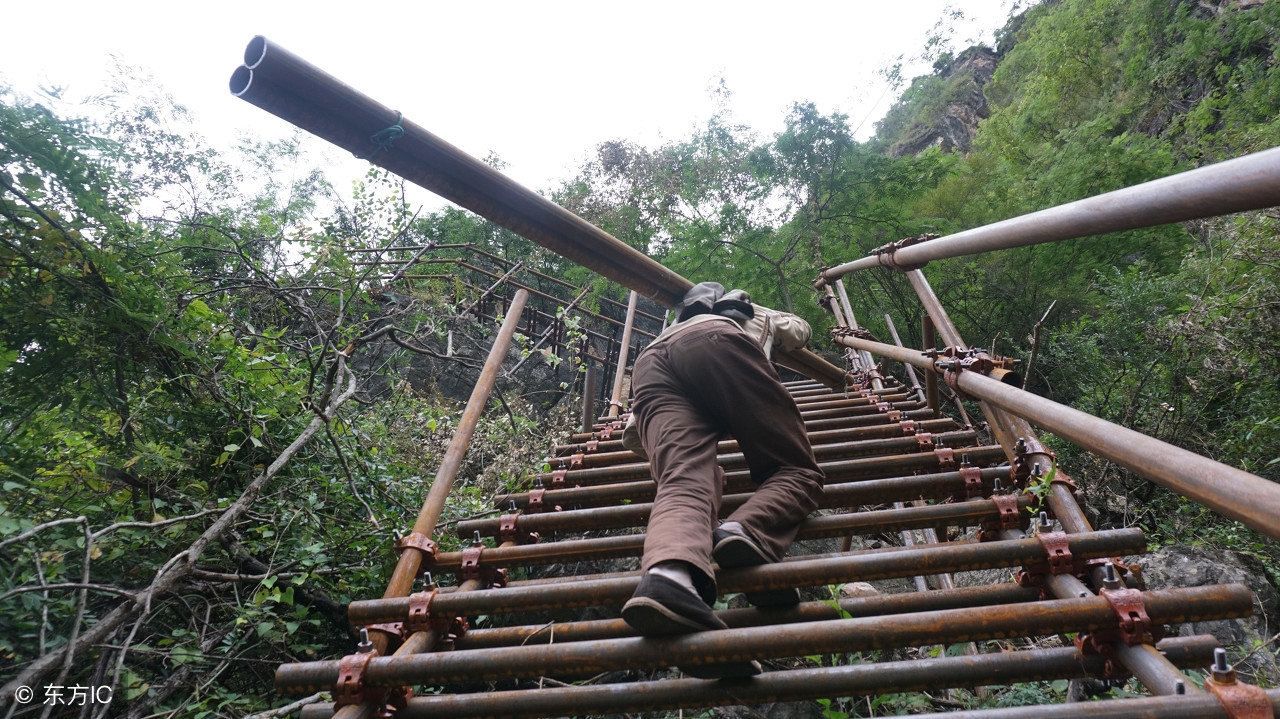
911	495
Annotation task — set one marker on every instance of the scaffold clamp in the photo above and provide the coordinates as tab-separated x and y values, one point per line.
534	505
509	531
972	477
1240	700
1057	549
947	460
470	569
350	688
418	541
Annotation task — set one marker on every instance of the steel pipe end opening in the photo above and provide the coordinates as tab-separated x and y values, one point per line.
255	51
241	79
1009	377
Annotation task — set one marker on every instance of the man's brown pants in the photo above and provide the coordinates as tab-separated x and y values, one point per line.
690	391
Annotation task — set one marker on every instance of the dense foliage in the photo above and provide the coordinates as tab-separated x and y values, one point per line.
1168	330
188	496
174	323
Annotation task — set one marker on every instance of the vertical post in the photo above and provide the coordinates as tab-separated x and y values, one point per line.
1155	671
607	368
930	341
589	395
855	360
424	527
911	371
835	307
930	536
867	360
623	351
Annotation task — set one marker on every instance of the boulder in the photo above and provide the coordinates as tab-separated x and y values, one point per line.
1183	566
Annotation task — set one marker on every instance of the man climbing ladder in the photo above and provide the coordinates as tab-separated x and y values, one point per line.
706	376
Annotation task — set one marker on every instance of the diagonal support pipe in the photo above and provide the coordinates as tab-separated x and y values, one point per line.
411	558
1231	492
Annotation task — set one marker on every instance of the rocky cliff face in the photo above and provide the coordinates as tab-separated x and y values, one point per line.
953	128
947	113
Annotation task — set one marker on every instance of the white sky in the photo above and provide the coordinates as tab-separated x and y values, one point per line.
539	83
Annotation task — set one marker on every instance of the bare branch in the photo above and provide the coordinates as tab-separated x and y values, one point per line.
287	709
180	565
41	527
162	523
109	588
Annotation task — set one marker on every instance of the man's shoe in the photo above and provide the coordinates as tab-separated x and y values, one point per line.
661	607
735	551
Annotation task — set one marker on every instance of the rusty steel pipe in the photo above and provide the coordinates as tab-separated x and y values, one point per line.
809	683
809	364
300	93
868	361
832	303
624	349
940	485
1155	672
863	420
1002	423
736	460
911	370
1200	706
1231	492
960	514
1251	182
866	566
612	453
853	356
589	397
930	341
287	86
871	410
813	425
740	480
745	644
933	306
411	559
830	403
981	596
